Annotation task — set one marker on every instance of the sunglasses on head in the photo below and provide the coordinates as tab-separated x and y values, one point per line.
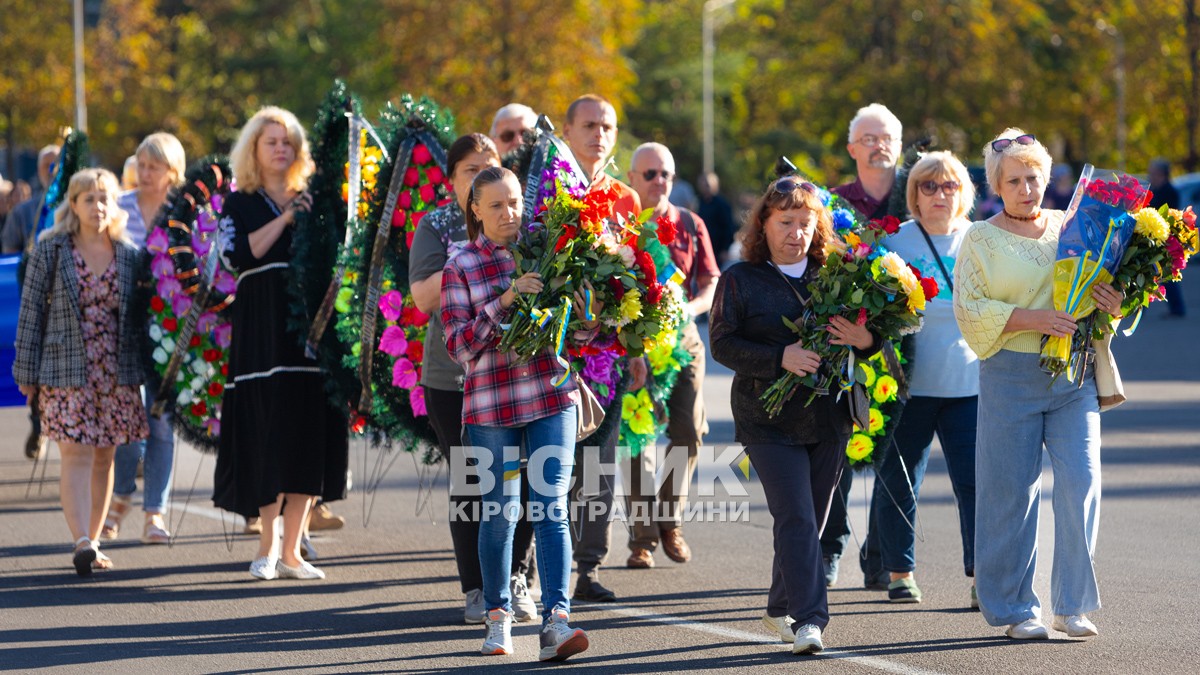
1000	144
651	174
788	185
508	135
930	188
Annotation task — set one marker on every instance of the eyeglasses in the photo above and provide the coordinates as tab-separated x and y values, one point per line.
871	140
787	185
930	188
651	174
1000	144
508	135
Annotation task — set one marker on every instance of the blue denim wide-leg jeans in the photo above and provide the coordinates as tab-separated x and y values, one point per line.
159	451
1020	410
549	442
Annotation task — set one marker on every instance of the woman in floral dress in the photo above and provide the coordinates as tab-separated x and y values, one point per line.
77	350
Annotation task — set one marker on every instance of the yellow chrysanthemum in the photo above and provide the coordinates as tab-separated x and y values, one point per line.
916	299
868	374
1152	225
852	239
876	421
631	305
885	389
860	447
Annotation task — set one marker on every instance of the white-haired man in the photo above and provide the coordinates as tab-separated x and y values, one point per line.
657	516
874	144
509	123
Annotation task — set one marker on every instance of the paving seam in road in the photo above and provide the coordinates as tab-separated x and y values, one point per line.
834	653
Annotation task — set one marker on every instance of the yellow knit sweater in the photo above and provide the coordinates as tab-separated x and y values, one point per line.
996	272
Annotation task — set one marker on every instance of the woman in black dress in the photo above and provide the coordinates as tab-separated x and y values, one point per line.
282	443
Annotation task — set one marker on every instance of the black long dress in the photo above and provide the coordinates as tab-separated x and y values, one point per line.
279	432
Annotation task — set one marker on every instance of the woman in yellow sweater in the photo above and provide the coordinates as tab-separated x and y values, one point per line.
1003	301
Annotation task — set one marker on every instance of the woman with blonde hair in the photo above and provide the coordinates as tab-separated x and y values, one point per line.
282	443
1004	304
159	165
77	350
943	382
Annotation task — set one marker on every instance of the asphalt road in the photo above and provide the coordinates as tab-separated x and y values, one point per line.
391	602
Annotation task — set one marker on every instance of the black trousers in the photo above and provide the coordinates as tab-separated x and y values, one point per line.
799	481
445	414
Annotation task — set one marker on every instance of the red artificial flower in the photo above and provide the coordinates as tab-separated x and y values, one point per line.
617	287
666	230
654	293
887	224
562	242
434	174
408	239
215	389
1189	217
225	369
420	154
416	219
358	424
170	324
194	342
930	286
411	316
646	264
443	202
199	408
916	272
597	206
157	304
428	193
211	355
862	316
412	177
416	351
399	217
404	201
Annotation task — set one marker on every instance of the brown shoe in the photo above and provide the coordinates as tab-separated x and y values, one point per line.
323	519
674	545
640	559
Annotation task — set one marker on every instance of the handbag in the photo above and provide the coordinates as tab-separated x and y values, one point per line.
1109	389
589	412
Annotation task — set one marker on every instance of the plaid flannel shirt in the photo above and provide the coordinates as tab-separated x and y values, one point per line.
498	390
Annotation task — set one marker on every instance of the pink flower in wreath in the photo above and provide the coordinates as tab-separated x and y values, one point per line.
162	266
213	425
224	282
416	398
391	304
393	342
169	287
206	323
222	335
156	241
404	375
180	304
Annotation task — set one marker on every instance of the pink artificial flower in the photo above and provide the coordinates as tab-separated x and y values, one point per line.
169	287
200	245
399	217
223	334
217	200
205	223
156	241
412	177
180	304
393	342
404	375
405	200
206	323
428	194
391	304
434	175
162	266
224	282
213	425
416	399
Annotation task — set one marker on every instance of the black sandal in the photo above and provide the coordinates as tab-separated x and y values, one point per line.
85	555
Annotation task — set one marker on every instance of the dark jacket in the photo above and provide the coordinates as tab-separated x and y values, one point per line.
747	334
57	358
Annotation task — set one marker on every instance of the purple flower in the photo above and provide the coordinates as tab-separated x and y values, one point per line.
214	424
200	245
404	375
393	342
222	334
156	241
416	398
162	266
206	323
180	304
205	222
217	200
168	287
391	304
599	367
224	282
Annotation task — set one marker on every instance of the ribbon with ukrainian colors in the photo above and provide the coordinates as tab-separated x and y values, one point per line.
671	273
559	341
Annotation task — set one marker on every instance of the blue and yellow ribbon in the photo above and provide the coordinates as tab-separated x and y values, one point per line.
512	470
671	273
541	316
588	312
559	341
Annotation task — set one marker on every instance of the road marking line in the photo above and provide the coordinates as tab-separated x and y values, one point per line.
833	653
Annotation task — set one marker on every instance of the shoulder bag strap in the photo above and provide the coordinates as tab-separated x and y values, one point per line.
936	256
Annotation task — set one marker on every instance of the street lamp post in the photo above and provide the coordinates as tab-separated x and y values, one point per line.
80	101
1119	77
710	8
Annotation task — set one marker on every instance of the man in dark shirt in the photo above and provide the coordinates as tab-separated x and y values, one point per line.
1165	193
717	213
657	516
18	228
874	144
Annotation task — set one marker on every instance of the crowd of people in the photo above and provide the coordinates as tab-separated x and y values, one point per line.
974	381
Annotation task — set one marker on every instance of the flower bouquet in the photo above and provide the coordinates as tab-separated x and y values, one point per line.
1163	240
1093	242
643	413
863	282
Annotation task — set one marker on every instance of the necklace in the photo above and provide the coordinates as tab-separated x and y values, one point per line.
1025	219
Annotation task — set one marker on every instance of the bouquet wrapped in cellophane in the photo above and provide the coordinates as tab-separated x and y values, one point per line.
1093	241
865	283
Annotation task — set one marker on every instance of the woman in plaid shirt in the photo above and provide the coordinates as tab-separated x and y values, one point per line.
508	404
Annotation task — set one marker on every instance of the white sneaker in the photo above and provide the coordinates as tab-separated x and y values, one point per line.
524	608
560	641
303	571
499	633
808	640
1029	629
473	613
781	625
1074	626
263	568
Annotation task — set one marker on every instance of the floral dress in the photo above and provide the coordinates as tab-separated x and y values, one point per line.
103	413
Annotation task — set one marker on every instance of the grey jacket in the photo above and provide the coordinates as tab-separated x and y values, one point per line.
58	359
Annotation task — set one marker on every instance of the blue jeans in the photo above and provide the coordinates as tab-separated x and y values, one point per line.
898	482
159	451
1020	411
549	443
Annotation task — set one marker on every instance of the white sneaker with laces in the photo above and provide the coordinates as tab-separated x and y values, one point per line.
499	633
559	641
1029	629
808	640
263	568
303	571
781	625
1074	626
473	613
524	608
